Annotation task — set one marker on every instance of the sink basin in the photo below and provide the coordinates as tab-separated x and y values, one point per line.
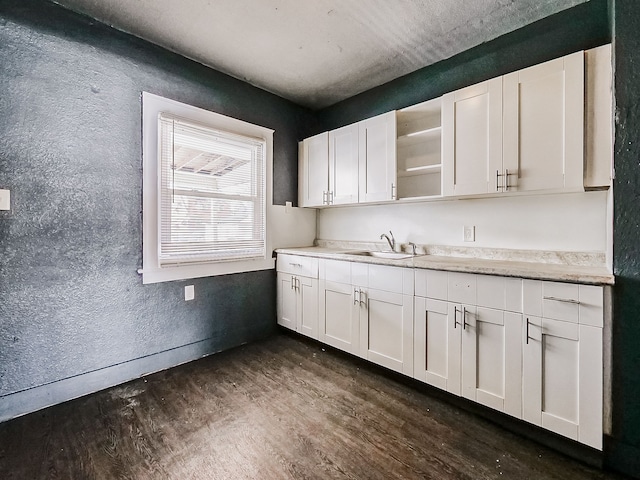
390	255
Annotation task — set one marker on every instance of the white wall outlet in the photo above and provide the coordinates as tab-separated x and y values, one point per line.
287	207
5	200
189	292
469	233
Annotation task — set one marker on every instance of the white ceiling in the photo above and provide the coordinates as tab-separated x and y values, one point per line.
318	52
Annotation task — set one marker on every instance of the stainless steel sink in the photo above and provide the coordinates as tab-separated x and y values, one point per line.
377	254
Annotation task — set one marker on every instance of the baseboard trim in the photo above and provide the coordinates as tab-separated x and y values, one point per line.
42	396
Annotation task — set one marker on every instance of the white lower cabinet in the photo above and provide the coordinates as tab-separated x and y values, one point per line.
531	349
563	360
298	294
367	310
386	327
339	316
298	304
468	350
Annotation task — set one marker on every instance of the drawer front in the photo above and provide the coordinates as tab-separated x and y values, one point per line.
462	288
388	279
337	271
568	302
431	284
561	301
501	293
297	265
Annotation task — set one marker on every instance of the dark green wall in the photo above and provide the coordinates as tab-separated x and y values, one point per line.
624	446
71	301
579	28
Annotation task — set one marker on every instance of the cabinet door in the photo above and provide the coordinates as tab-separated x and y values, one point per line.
343	165
472	138
432	329
314	171
287	309
491	359
377	158
339	316
562	379
543	125
307	306
386	329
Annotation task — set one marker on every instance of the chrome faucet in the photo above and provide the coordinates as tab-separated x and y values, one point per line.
392	241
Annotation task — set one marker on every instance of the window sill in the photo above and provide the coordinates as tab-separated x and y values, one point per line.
184	272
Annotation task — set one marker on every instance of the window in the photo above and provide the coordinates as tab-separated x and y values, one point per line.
205	192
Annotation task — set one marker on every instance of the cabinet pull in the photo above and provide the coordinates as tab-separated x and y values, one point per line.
324	198
360	295
498	180
455	316
356	299
293	283
297	284
564	300
464	318
295	264
330	198
393	191
527	340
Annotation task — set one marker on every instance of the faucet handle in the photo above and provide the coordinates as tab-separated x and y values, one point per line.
413	248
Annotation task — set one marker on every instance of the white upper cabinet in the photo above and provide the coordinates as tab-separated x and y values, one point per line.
313	171
343	165
520	132
377	172
544	126
472	138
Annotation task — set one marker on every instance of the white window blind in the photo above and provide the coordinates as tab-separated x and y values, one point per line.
212	194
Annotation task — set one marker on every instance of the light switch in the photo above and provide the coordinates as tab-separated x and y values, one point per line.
189	292
5	200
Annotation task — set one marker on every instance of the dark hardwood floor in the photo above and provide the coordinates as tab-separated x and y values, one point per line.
282	408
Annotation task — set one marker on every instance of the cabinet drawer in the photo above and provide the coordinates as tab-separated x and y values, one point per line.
568	302
297	265
337	271
502	293
431	284
391	279
461	288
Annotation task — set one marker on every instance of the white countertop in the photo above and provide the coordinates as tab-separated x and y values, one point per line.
587	274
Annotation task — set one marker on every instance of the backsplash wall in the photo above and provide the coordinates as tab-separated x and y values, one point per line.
574	222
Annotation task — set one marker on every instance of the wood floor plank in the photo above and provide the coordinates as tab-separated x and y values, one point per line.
284	408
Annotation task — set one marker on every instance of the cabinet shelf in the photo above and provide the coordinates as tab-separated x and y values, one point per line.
420	136
421	170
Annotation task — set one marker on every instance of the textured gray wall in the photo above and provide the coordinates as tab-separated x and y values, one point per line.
70	151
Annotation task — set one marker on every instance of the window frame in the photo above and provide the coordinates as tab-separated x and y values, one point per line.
152	271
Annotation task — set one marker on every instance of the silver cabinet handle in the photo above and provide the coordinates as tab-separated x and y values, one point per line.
324	198
295	264
297	284
393	191
330	198
464	318
506	179
564	300
455	317
362	294
356	299
498	180
293	282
